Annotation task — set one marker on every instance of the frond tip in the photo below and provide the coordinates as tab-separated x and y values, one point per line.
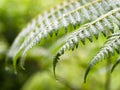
86	73
115	64
111	45
55	61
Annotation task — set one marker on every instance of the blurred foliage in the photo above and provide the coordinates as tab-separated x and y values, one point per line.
14	15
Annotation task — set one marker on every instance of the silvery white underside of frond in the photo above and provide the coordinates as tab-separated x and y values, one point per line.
87	17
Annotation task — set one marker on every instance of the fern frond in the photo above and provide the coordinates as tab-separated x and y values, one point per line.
66	20
110	46
115	64
87	31
34	25
62	16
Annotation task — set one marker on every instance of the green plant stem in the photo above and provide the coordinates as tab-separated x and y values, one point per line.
108	75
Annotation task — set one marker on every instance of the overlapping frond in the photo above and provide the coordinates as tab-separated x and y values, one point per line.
36	24
101	24
110	46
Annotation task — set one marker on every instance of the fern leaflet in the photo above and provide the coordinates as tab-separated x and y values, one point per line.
115	64
112	44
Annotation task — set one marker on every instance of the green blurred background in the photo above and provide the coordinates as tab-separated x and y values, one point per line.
14	15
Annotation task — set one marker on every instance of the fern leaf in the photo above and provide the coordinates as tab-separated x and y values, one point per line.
63	21
112	44
86	31
62	16
34	26
45	32
115	64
